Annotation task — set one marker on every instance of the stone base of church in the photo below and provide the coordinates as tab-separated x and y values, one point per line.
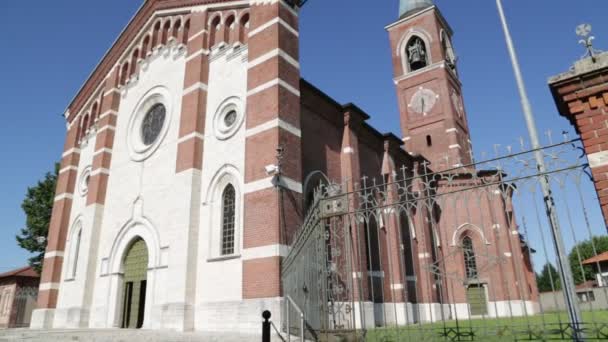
237	317
71	318
243	316
42	319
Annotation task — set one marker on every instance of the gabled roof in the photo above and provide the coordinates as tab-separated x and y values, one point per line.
130	32
598	258
21	272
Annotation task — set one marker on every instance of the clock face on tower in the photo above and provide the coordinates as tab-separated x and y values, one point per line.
423	101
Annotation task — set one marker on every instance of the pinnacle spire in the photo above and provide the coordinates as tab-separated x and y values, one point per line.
407	7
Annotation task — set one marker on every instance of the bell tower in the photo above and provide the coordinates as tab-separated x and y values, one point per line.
433	118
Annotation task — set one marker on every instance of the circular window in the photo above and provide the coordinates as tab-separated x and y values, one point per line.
228	118
83	182
149	124
153	124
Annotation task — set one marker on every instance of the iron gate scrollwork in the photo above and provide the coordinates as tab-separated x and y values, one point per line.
445	256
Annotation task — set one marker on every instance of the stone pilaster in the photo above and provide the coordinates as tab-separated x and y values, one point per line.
394	279
351	175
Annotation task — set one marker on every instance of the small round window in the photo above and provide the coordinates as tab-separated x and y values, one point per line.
153	123
228	118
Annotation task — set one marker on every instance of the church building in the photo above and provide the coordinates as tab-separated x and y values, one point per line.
191	154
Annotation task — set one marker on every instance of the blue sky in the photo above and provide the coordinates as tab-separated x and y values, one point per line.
50	47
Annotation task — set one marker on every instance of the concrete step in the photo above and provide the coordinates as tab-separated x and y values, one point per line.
121	335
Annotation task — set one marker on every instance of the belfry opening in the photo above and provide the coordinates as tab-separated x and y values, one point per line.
134	285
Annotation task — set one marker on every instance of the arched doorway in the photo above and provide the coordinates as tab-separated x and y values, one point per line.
135	265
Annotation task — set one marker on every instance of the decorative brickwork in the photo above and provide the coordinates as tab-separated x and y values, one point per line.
581	96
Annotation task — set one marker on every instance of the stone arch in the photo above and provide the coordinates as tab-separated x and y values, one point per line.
166	31
243	27
230	28
311	183
215	23
402	47
468	227
145	46
134	229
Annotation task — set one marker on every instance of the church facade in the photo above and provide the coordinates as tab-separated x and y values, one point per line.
191	152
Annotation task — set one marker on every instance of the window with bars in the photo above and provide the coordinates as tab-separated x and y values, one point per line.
228	219
470	263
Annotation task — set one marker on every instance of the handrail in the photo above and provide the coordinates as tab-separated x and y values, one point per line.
297	308
277	331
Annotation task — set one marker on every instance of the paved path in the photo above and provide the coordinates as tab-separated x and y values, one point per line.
116	335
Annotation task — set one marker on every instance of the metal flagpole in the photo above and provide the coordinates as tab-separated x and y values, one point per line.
567	279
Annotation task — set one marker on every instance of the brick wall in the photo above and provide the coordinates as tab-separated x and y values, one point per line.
582	97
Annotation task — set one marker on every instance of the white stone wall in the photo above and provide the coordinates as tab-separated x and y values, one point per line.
145	198
219	283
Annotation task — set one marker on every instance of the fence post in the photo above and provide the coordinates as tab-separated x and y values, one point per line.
266	326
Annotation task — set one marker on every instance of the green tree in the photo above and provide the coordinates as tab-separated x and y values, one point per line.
38	206
585	249
547	277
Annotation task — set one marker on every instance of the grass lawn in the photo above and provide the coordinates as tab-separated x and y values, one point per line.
533	328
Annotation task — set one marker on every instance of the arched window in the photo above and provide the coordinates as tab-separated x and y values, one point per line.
228	219
448	50
74	252
470	263
417	55
429	141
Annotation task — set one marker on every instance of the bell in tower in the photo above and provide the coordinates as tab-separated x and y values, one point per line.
407	7
416	54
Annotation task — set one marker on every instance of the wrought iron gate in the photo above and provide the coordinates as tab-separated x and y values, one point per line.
450	255
25	303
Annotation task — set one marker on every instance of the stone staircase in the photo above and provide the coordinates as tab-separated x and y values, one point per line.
121	335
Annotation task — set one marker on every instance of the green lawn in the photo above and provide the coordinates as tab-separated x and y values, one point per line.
550	326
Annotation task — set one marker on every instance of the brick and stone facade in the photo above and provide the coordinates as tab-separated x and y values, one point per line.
581	95
204	195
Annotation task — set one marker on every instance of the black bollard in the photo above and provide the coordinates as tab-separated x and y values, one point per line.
266	326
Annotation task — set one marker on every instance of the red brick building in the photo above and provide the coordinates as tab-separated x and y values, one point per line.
167	214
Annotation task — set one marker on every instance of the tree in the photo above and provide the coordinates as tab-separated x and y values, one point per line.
38	206
585	249
548	280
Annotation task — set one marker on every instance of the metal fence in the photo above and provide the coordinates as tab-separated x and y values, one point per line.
456	255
